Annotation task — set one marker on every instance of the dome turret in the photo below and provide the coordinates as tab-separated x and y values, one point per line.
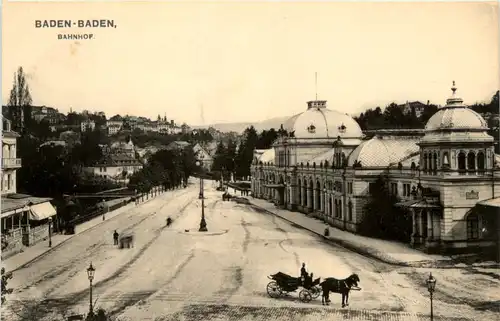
455	122
320	122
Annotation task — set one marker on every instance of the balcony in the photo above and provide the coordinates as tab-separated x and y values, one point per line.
11	163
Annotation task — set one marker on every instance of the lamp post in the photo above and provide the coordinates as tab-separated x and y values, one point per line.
90	274
203	223
50	231
431	286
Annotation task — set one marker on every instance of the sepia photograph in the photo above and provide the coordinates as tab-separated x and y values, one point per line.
250	161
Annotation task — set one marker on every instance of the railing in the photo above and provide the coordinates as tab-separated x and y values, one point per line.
11	162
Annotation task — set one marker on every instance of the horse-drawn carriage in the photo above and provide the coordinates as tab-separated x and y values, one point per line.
283	283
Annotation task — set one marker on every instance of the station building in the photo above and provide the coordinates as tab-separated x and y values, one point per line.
446	175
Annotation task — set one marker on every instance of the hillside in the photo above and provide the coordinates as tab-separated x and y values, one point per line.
240	127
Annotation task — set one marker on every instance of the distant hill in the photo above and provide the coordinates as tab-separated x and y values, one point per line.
240	127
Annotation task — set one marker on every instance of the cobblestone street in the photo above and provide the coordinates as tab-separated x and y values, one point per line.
177	273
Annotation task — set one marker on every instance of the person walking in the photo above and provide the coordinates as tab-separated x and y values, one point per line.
115	237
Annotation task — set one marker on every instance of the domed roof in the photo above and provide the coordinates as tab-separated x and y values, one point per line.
455	122
320	122
381	152
456	115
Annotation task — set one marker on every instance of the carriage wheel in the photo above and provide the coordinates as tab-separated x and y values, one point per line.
305	296
315	292
273	289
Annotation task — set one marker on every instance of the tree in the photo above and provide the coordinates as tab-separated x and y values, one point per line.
219	157
380	216
230	156
5	290
19	105
246	149
266	139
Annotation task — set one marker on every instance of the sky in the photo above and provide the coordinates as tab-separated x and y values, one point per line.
247	62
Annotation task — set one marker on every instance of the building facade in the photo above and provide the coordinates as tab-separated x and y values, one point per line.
118	163
328	167
25	219
202	155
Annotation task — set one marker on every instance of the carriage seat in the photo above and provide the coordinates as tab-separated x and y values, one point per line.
285	278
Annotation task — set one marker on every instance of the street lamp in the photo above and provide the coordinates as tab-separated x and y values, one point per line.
50	231
431	286
203	223
90	274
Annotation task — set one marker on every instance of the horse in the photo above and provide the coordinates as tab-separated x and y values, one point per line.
338	286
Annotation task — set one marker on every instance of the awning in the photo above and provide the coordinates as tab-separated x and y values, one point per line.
422	203
274	185
492	202
42	211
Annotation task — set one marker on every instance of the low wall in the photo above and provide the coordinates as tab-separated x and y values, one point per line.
14	244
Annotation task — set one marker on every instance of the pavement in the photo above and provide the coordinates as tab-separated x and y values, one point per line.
39	249
173	275
390	252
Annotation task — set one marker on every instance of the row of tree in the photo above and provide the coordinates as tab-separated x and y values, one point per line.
168	168
236	159
395	116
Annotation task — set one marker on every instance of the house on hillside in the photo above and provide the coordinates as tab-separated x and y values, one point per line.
118	163
203	156
114	124
87	125
25	219
416	105
178	144
116	167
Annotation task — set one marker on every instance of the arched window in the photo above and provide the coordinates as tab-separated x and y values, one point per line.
480	161
435	161
446	160
471	161
344	161
413	166
472	226
425	161
461	162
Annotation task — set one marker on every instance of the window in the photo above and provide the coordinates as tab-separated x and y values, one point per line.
406	190
349	188
435	162
472	226
480	161
461	162
446	159
394	188
8	181
425	162
471	161
371	188
350	211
